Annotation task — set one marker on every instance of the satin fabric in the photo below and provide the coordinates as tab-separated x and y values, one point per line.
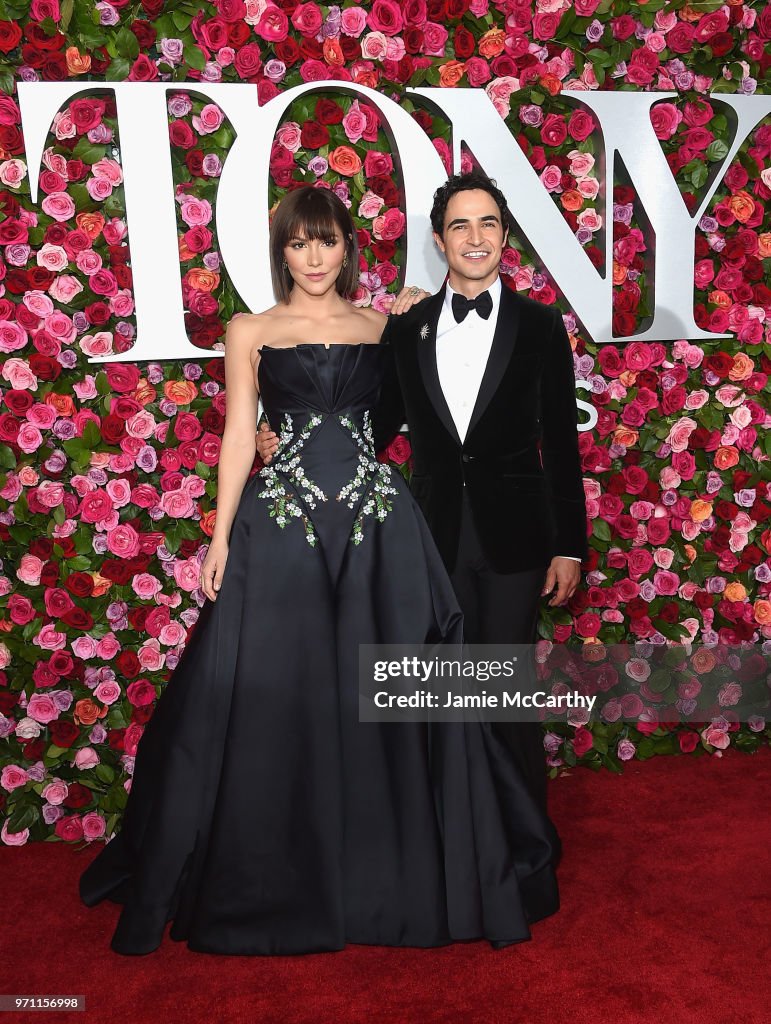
263	817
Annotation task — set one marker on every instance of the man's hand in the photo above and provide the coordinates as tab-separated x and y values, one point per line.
406	298
565	574
267	442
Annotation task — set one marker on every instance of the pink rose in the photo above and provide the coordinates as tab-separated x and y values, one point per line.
353	21
94	826
389	226
665	118
307	19
434	39
187	573
273	26
716	737
13	777
59	205
386	16
55	792
12	336
374	46
108	691
86	758
64	288
680	433
209	120
13	838
354	122
42	708
123	541
195	212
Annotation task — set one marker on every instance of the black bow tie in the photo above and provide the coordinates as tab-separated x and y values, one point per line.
483	304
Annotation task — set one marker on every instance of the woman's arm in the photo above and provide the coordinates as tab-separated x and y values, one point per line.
238	440
237	449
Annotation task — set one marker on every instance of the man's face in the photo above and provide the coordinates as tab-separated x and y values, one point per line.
472	241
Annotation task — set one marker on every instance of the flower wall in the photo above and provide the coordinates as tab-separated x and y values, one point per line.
108	475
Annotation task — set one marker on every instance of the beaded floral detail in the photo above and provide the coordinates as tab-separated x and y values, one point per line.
372	481
287	461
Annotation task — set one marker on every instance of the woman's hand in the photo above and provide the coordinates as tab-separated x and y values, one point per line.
213	568
407	298
267	442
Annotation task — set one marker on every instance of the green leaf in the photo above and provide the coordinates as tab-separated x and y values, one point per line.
601	530
118	70
194	56
8	459
6	80
66	14
181	21
717	150
127	43
23	816
91	435
87	151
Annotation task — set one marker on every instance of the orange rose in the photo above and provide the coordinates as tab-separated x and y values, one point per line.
202	280
742	368
762	611
185	254
344	160
596	652
207	522
720	299
619	273
492	43
551	83
628	378
703	660
91	223
700	510
572	199
690	552
451	73
181	392
144	393
742	205
735	592
366	76
333	54
725	457
77	63
764	244
101	584
62	403
87	711
623	435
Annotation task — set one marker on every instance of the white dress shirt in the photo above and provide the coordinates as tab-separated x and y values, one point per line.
462	351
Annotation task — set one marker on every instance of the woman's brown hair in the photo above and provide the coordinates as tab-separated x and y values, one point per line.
312	213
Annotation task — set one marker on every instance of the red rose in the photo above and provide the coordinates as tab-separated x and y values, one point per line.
238	33
328	112
399	450
248	61
143	69
288	51
688	741
307	19
86	114
313	135
153	8
145	33
78	795
79	584
583	741
181	134
63	733
10	35
464	43
214	34
127	664
231	10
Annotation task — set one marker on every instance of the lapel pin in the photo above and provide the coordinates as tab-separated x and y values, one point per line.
424	331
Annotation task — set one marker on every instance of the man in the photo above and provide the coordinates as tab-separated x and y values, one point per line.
484	379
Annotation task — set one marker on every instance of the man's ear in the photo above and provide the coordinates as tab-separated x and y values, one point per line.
505	238
438	241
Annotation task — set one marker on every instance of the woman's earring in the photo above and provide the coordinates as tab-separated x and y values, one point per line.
345	261
285	265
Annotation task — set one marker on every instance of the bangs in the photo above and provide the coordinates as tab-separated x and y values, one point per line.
313	220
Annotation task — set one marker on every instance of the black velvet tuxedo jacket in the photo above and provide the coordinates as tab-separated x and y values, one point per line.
519	460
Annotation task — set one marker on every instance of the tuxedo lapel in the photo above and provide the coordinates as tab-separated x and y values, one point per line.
501	350
427	362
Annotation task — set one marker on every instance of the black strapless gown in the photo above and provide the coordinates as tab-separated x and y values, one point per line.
263	817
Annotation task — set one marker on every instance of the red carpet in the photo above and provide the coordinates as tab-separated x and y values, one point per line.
665	919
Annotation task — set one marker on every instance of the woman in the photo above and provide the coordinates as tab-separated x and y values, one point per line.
264	817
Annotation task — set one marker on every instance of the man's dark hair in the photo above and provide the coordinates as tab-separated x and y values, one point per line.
464	183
